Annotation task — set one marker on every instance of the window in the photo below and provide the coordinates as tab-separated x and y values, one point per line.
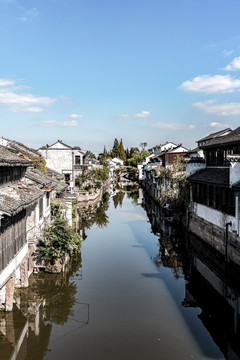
67	178
77	160
48	197
40	208
216	197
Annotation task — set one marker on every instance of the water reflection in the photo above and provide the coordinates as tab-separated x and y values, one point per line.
49	299
126	274
96	214
212	285
131	193
118	198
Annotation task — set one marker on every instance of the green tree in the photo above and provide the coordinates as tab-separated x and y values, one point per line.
100	173
39	163
137	158
59	239
122	153
116	149
104	155
91	154
133	150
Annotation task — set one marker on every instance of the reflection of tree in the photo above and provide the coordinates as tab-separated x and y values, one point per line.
94	215
101	218
172	251
57	291
133	196
171	257
118	199
59	296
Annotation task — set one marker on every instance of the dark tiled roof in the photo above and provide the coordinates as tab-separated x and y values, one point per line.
195	150
15	198
60	141
217	176
214	135
232	137
52	146
21	148
44	180
60	186
9	158
39	177
53	174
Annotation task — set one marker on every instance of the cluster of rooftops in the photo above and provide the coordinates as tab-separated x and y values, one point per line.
21	183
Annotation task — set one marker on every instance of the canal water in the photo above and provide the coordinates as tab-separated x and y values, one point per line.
125	297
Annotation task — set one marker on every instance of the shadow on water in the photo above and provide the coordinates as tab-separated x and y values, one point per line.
212	287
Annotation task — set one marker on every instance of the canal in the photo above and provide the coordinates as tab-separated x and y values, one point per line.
130	295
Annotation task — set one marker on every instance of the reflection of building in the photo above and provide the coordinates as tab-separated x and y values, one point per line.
49	300
212	285
215	289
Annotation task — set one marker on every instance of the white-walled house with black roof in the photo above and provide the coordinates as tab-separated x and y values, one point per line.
215	193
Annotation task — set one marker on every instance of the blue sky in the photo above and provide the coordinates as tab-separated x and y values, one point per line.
89	71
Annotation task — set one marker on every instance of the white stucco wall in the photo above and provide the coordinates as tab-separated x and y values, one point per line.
167	146
214	216
234	173
13	265
179	149
192	168
61	160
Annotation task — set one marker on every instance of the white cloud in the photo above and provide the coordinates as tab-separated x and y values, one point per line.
233	65
56	123
32	109
17	101
142	114
70	123
212	107
76	116
212	84
228	52
172	126
6	82
219	125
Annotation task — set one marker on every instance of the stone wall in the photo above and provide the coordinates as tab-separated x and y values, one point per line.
215	236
